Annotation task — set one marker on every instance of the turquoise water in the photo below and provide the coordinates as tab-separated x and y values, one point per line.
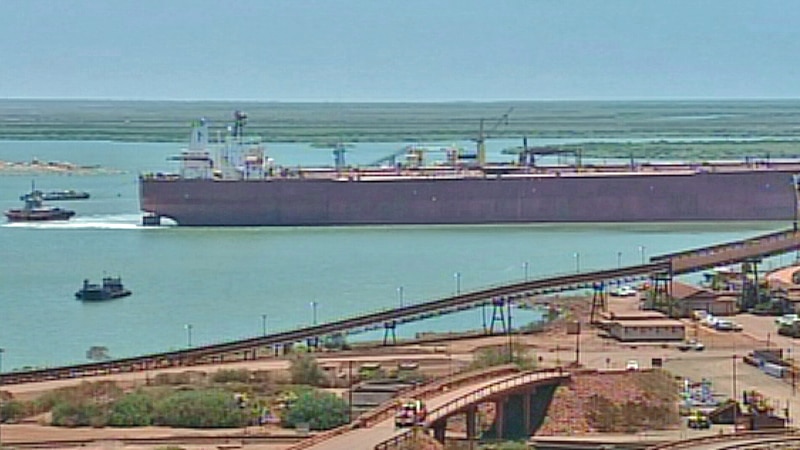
221	281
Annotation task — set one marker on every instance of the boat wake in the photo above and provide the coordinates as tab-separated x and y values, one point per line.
107	222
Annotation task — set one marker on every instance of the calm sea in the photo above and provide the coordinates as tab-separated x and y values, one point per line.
227	283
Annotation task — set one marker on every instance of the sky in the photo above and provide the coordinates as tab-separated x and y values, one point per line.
400	50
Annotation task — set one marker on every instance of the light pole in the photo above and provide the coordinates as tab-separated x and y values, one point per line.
263	324
525	269
641	251
188	335
1	390
577	262
400	295
457	276
314	312
735	401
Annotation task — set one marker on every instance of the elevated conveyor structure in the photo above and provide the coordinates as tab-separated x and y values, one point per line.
662	267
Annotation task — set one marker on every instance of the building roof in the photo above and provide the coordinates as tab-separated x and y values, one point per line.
685	291
649	323
784	276
635	315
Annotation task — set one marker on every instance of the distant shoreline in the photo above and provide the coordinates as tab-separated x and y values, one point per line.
325	123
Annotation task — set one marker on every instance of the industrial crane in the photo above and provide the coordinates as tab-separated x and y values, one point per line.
481	140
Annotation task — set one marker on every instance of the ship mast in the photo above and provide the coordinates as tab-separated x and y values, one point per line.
481	141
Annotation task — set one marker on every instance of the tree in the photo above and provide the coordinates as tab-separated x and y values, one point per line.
305	370
321	410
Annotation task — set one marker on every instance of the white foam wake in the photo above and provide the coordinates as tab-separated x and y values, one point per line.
107	222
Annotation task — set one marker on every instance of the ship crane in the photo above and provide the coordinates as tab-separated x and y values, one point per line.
481	140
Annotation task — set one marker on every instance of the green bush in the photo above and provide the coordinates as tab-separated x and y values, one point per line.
133	410
12	411
68	414
321	410
200	409
496	356
305	370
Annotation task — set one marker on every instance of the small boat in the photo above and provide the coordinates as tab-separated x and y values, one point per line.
35	211
68	194
111	288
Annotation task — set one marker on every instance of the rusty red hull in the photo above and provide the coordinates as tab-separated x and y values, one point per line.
749	195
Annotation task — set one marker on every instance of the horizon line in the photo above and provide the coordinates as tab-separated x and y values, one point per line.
411	101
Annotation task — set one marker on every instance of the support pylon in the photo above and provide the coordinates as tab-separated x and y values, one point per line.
599	301
498	314
389	328
662	292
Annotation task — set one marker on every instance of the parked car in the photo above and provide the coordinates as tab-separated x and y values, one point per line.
691	344
632	364
624	291
786	319
727	325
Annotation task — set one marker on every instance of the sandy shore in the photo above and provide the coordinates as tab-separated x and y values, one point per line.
52	167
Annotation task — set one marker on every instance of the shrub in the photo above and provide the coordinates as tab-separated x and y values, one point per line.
200	409
133	410
67	414
305	370
496	356
321	410
12	411
228	376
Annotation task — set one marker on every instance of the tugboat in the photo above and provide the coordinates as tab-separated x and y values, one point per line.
35	211
111	288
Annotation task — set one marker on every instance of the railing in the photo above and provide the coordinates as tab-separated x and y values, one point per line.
386	409
498	387
470	398
708	257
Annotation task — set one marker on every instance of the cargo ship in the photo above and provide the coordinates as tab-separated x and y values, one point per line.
238	185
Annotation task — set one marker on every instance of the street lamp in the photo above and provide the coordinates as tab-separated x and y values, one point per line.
735	401
1	390
577	262
641	251
188	327
525	269
314	311
400	295
263	324
457	276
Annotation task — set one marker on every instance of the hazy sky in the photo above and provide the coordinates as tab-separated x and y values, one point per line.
401	50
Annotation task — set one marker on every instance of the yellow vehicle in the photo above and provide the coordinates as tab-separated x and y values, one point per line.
698	420
410	412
